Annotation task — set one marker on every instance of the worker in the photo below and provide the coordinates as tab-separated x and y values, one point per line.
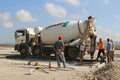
59	49
113	49
101	48
81	53
90	17
109	50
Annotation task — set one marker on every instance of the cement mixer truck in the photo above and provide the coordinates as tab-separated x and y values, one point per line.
39	41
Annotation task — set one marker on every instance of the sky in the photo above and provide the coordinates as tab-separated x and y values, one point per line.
18	14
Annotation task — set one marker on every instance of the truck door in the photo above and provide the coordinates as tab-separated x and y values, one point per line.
20	36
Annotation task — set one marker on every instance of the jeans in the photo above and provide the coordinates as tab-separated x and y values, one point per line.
99	52
109	56
60	57
81	54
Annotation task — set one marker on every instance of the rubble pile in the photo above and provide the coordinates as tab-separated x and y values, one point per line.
107	72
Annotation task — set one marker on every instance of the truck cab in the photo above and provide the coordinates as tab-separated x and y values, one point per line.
22	39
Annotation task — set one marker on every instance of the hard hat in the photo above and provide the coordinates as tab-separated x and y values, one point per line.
60	37
37	63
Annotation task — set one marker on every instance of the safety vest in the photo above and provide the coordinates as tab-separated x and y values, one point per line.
101	45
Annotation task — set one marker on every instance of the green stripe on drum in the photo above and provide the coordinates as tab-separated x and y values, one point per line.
65	23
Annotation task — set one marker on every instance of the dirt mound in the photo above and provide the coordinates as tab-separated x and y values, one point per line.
107	72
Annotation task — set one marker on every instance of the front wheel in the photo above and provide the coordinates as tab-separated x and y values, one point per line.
72	53
24	50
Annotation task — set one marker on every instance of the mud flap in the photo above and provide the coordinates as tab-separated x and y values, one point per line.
92	46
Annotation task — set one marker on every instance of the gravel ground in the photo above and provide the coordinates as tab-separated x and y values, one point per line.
18	69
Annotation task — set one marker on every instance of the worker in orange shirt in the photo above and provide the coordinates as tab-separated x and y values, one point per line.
101	48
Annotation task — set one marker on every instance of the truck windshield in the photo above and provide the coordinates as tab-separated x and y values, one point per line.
19	33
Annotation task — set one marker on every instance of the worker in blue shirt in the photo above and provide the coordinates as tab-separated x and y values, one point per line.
109	50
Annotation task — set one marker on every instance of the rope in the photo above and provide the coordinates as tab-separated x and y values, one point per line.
79	28
81	34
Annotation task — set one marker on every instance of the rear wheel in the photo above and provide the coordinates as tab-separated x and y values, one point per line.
72	53
36	51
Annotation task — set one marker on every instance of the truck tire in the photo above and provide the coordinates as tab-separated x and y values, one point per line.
24	50
36	51
72	53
